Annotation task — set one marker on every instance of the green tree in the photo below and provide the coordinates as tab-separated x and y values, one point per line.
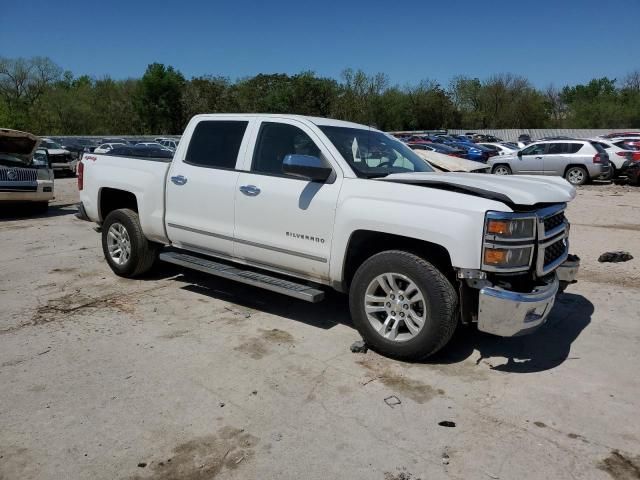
158	99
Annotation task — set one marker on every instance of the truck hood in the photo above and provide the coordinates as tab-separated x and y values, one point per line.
15	142
513	190
449	163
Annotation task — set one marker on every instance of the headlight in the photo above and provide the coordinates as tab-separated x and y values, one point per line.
511	257
512	229
509	241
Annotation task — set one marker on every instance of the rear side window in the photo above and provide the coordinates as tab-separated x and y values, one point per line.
215	144
574	147
598	147
276	141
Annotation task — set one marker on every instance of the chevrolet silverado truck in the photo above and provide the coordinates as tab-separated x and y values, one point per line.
297	205
26	175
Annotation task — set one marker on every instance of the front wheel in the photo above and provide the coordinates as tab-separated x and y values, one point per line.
402	305
126	249
501	170
576	175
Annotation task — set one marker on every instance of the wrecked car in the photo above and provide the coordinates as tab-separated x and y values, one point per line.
26	176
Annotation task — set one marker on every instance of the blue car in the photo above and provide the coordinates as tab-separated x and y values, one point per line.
475	152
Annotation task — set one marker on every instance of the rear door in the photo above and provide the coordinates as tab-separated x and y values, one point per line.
284	222
531	160
555	158
202	184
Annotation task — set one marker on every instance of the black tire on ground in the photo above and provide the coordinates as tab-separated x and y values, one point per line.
611	174
577	179
440	304
143	252
501	168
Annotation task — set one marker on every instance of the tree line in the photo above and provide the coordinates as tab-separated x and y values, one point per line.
37	95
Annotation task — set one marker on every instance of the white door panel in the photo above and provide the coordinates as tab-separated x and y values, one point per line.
288	224
202	184
200	212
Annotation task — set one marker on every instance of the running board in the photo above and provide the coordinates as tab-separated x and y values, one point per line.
278	285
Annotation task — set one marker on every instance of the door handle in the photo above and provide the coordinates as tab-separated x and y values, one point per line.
538	158
179	180
250	190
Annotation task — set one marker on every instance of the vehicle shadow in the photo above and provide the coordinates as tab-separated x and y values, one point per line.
24	211
543	350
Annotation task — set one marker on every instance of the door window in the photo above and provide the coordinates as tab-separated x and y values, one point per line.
558	148
275	142
215	144
534	149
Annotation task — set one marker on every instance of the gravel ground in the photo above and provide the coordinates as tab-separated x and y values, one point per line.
181	376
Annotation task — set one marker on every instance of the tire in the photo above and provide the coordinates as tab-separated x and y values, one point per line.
576	175
439	305
501	170
611	174
124	225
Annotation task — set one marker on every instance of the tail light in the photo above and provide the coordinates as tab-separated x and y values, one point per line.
597	158
80	175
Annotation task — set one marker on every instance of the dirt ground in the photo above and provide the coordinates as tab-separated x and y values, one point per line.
182	376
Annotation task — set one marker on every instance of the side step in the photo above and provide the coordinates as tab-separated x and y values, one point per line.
275	284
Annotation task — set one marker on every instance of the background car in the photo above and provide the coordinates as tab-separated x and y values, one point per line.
474	152
141	151
115	140
500	148
169	143
524	140
481	137
61	159
578	161
618	156
107	147
440	148
633	173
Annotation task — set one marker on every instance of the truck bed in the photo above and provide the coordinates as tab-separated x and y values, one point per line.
144	177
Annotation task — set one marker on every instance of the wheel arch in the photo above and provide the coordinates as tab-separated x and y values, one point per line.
363	244
110	199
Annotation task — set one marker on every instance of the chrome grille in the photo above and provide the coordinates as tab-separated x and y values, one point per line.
553	244
18	175
554	251
554	221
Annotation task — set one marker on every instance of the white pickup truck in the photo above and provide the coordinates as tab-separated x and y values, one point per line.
298	204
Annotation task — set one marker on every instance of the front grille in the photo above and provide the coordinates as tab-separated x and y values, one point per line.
64	158
554	252
554	221
18	175
553	244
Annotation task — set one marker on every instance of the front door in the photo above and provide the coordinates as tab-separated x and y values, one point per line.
530	161
201	188
284	222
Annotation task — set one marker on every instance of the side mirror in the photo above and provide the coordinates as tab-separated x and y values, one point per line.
307	167
519	153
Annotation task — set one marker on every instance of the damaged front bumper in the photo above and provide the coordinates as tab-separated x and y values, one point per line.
507	313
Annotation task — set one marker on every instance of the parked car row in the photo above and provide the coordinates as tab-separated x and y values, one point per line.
578	160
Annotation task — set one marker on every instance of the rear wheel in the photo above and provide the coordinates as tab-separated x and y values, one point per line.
126	249
576	175
501	170
611	174
402	305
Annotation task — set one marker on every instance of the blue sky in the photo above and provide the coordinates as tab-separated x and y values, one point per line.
559	42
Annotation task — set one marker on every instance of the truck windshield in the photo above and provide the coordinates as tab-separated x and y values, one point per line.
373	154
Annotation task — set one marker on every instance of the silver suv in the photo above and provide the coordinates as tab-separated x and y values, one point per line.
578	161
